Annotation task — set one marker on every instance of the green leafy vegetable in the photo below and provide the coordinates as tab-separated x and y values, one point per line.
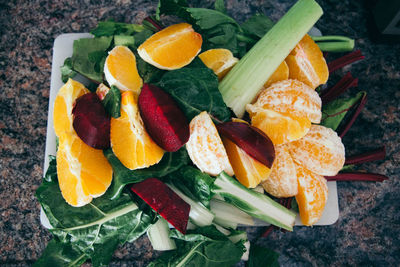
195	89
67	71
110	28
257	26
147	72
124	40
140	37
51	173
219	5
89	55
204	246
123	176
193	183
261	256
112	102
334	112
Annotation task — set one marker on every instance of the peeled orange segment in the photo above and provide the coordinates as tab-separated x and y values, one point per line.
312	195
83	172
248	171
63	105
120	70
171	48
280	74
220	60
307	64
321	151
129	140
282	182
205	147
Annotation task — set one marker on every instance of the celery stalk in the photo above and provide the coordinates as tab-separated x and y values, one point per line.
247	77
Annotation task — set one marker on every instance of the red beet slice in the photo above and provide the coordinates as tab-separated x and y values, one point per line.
163	119
91	121
164	201
253	141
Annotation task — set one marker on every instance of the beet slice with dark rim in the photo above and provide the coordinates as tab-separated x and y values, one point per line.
164	201
164	121
253	141
91	121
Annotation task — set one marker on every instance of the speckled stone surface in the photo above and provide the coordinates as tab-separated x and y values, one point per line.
368	230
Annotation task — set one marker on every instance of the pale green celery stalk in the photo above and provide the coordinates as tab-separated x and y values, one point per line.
334	43
242	83
199	214
255	204
228	215
158	235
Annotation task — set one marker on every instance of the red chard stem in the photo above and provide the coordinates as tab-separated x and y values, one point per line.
357	112
154	23
345	60
339	88
268	231
377	154
357	176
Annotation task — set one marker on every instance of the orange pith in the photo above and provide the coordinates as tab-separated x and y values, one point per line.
320	151
285	110
171	48
120	69
312	195
280	74
129	140
205	147
220	60
83	172
282	182
307	64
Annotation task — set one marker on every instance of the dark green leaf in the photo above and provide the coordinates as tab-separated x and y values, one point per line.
110	28
123	176
193	183
334	112
149	73
257	26
219	5
171	7
67	71
112	102
294	205
60	254
260	256
89	55
140	37
124	40
195	89
51	173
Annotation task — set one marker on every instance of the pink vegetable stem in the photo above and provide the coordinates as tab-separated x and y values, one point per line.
357	176
377	154
339	88
154	23
345	60
348	125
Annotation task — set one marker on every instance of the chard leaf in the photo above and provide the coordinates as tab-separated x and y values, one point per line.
257	26
124	40
219	5
195	89
112	102
51	173
335	111
122	176
110	28
60	254
193	183
95	229
149	73
261	256
205	246
67	71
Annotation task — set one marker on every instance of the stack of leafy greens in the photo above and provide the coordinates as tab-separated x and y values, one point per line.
94	231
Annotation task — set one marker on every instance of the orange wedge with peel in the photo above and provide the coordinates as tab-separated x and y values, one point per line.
280	74
220	60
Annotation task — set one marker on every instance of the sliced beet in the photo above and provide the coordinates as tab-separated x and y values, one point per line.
253	141
91	121
164	201
163	119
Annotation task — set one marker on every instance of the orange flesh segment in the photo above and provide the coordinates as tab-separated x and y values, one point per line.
307	64
129	140
171	48
312	196
280	74
220	60
120	69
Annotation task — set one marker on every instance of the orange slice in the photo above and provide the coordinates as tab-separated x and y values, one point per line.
307	63
120	70
205	147
63	104
171	48
312	196
284	111
282	182
280	74
83	172
321	151
220	60
129	140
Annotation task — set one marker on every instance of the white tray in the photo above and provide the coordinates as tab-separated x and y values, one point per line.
61	50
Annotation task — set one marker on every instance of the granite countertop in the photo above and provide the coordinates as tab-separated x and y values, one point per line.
368	229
